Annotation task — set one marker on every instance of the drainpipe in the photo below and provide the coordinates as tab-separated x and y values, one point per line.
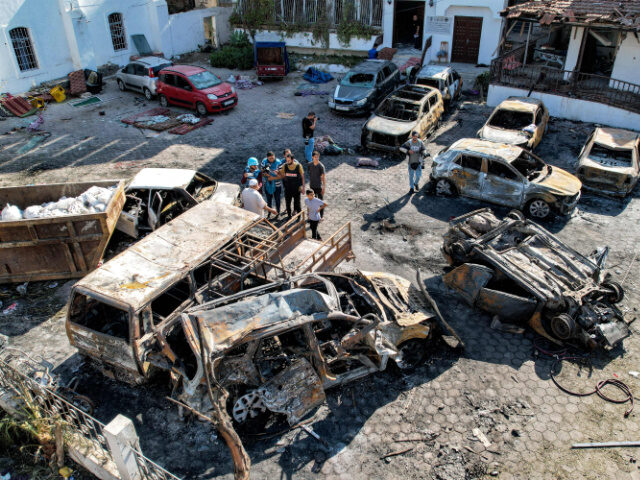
72	42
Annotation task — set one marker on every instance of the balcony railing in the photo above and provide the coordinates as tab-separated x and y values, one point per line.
508	70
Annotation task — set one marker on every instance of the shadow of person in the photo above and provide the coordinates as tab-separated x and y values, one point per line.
386	212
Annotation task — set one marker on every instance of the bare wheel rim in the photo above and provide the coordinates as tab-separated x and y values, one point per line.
443	188
248	406
539	209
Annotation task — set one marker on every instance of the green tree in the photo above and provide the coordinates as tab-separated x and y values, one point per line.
250	15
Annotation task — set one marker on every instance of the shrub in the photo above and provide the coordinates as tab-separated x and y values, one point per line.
233	57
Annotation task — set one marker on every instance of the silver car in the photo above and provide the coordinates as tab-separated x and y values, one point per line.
141	75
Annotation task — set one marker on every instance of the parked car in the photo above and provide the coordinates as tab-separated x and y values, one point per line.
195	87
517	270
504	174
362	88
276	348
142	75
444	78
412	107
518	121
158	195
609	161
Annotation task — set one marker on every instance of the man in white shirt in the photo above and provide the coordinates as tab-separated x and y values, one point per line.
253	201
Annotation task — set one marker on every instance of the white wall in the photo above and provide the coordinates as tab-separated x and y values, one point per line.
627	63
571	108
184	32
48	37
573	50
305	40
491	25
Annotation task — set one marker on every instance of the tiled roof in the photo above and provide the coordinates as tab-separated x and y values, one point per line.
625	13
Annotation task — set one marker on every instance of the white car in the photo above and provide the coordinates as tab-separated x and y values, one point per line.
142	75
444	78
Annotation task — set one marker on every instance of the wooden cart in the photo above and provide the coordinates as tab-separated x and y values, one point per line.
69	246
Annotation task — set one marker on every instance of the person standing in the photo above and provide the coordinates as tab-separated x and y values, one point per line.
252	171
308	130
272	181
416	152
417	37
315	207
292	177
317	181
253	201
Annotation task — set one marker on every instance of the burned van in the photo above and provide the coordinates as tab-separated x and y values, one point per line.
123	315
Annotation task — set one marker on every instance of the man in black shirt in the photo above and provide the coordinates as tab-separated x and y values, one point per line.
415	28
308	129
292	177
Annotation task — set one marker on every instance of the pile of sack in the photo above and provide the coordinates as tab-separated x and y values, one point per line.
94	200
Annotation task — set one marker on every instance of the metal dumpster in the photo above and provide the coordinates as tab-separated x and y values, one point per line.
62	247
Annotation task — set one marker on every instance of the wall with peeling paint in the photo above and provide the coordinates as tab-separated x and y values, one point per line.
570	108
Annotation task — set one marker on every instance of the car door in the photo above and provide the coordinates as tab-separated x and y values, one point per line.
184	91
468	174
457	84
155	208
380	91
503	184
428	116
139	77
541	119
169	86
388	80
128	75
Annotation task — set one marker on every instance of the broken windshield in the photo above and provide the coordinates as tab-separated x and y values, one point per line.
429	82
511	120
529	166
356	79
204	80
602	152
398	110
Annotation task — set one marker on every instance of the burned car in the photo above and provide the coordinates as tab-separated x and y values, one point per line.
518	121
504	174
442	77
157	195
608	161
276	348
412	107
517	270
362	88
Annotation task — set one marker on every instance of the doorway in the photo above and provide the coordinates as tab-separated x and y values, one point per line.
403	17
466	39
599	52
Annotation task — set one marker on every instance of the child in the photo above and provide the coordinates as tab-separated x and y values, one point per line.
314	207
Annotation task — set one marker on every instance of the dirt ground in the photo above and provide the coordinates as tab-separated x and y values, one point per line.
497	385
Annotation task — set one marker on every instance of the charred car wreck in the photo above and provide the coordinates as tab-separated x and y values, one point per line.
515	269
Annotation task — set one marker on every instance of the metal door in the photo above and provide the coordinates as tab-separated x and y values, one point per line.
466	39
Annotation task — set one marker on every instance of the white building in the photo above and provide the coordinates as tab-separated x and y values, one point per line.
42	40
582	61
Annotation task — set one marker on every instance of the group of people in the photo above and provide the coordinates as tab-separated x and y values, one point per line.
275	177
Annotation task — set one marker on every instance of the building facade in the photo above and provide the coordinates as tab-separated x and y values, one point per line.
45	40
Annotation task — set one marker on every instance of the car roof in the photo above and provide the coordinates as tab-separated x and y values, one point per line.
166	178
615	137
184	69
153	264
487	149
152	61
434	71
423	90
520	104
371	66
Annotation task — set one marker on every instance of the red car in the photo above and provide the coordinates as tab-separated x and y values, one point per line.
195	87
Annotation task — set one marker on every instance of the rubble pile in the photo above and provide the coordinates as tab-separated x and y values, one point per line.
94	200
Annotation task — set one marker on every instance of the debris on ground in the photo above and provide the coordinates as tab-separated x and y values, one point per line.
188	118
286	116
366	162
314	75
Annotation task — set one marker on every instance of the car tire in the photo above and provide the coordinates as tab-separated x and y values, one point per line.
617	292
413	354
147	94
121	85
538	209
201	108
515	215
164	102
444	188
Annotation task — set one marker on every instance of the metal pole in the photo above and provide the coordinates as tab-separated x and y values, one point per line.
606	444
526	48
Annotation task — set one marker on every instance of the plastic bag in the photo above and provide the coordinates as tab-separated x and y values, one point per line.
34	211
11	213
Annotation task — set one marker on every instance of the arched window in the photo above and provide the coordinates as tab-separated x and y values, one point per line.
116	26
23	48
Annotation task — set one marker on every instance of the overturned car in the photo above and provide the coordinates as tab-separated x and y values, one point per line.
277	347
520	272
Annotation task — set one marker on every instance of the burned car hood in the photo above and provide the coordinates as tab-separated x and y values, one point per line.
389	126
223	326
560	182
499	135
345	92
